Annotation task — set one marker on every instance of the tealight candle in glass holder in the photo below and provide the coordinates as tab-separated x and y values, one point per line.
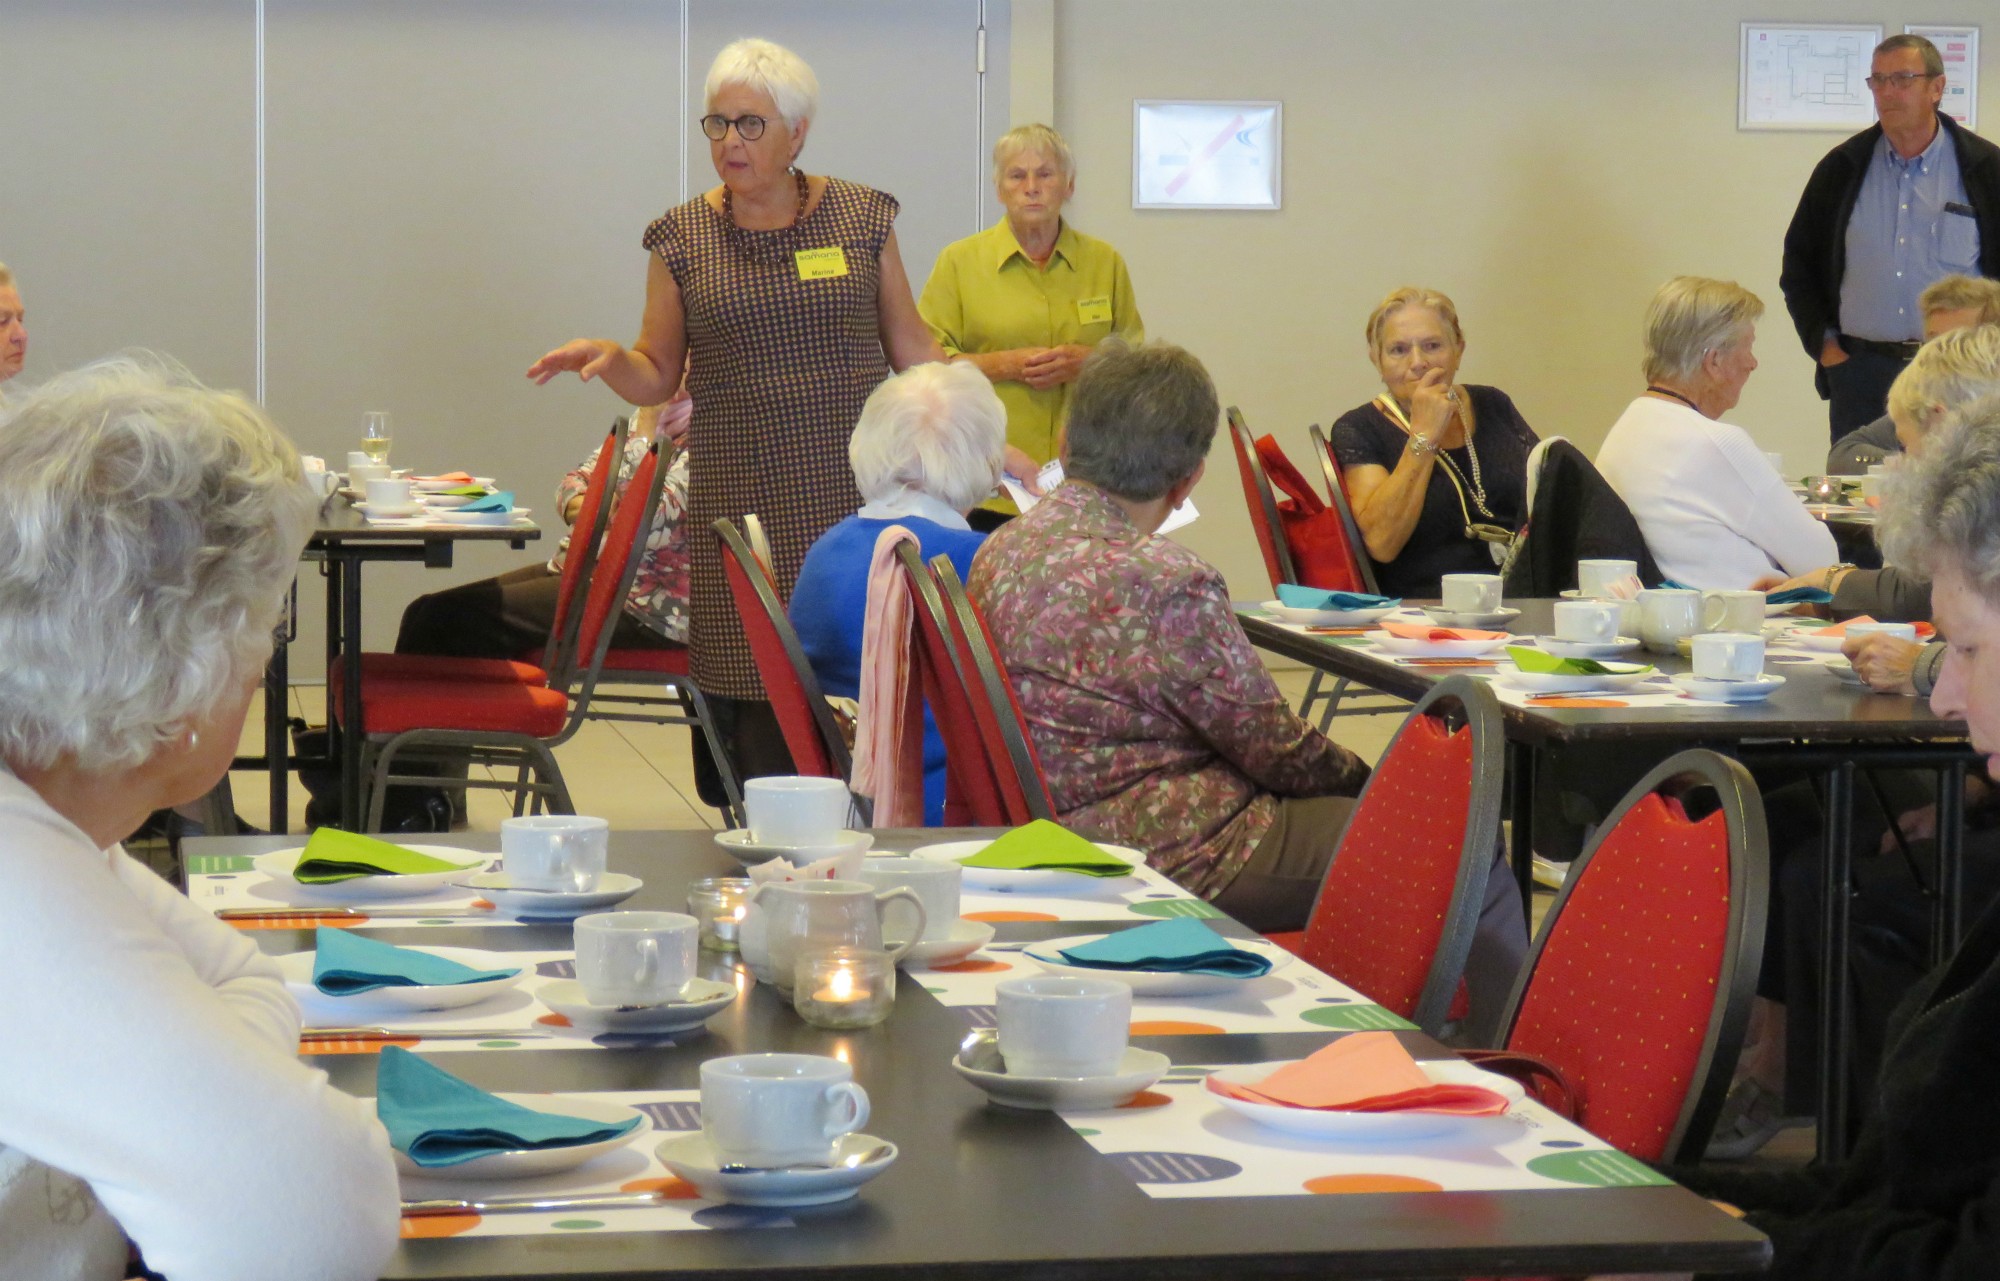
717	904
844	987
1824	489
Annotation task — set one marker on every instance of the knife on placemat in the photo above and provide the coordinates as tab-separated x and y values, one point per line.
417	1033
531	1204
343	913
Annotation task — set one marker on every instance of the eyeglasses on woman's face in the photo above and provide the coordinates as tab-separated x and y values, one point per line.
749	128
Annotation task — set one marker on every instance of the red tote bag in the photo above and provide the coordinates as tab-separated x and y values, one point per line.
1321	555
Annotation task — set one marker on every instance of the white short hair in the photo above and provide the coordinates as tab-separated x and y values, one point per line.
148	527
1942	506
1946	372
1037	137
939	429
770	68
1691	316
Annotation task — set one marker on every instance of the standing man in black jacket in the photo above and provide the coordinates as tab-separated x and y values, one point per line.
1910	199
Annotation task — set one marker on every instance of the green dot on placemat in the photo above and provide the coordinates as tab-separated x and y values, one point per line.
577	1225
1353	1018
212	864
1165	908
934	991
439	920
1088	1133
499	1045
1348	641
1599	1169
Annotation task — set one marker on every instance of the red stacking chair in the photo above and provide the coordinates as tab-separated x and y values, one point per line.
1338	499
811	734
514	723
1017	768
1263	505
1394	917
972	788
1638	987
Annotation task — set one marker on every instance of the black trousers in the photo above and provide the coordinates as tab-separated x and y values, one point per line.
502	617
1858	390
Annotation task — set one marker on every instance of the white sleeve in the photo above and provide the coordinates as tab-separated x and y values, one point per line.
149	1055
1772	516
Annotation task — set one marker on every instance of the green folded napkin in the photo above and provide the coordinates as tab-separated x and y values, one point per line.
438	1120
1539	660
1043	846
468	491
333	855
1181	945
345	963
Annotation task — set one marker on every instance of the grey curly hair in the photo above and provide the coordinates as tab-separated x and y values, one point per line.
1943	506
148	527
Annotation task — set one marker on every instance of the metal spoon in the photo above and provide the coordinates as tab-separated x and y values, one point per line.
852	1161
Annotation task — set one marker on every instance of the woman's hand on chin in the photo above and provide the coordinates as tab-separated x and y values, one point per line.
1431	405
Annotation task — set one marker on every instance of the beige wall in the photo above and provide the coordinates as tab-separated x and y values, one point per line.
1545	163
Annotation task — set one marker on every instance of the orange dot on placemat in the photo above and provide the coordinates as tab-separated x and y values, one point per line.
418	1227
973	967
1146	1099
555	1020
1335	1183
671	1188
1010	916
1580	702
1173	1027
484	905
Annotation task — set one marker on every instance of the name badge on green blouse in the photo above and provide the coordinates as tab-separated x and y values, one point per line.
1094	311
821	264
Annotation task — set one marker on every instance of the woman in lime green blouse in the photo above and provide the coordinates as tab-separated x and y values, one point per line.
1026	300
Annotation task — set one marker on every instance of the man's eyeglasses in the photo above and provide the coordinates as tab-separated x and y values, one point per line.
748	128
1901	80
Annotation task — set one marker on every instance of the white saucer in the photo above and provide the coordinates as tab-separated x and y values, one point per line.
691	1157
1845	673
385	1002
462	517
1412	648
966	937
425	486
1559	683
1325	617
551	905
445	502
737	841
278	865
1156	982
979	1062
1588	649
1373	1127
1748	691
700	1001
524	1163
1447	618
1004	878
390	511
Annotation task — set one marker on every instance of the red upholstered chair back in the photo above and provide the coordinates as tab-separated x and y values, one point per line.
585	534
1395	915
1262	504
1024	789
1639	985
803	716
618	559
972	793
1339	499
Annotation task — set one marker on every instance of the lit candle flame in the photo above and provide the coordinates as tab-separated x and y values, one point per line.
843	984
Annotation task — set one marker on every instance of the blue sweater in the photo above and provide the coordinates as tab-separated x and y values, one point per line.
830	604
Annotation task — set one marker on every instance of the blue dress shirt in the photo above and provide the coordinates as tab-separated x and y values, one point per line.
1911	225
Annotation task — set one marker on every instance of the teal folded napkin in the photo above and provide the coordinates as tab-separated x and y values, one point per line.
438	1120
345	963
1182	945
500	500
1800	596
1321	598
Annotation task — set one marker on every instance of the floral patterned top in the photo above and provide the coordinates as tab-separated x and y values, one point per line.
659	597
1156	723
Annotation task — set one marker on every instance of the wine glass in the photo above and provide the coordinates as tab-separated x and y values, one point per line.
375	436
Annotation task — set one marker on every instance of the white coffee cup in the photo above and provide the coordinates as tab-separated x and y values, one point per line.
390	491
934	883
768	1110
1777	461
1470	593
360	474
1732	611
321	481
1588	622
1666	614
1901	631
358	458
792	809
1595	577
635	958
1728	656
1062	1026
554	851
1871	487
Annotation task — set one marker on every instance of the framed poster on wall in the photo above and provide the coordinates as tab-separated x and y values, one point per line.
1960	48
1806	75
1207	155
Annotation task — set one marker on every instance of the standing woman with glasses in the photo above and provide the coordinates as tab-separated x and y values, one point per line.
1437	472
786	296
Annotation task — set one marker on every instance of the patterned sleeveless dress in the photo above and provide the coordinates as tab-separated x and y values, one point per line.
779	366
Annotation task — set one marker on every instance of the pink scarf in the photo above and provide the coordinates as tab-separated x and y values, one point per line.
889	732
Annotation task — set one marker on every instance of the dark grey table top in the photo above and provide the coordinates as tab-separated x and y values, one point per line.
983	1192
339	522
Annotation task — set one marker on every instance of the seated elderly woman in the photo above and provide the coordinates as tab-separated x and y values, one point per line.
150	1091
1713	510
1948	303
1156	723
13	329
1438	472
927	449
1916	1197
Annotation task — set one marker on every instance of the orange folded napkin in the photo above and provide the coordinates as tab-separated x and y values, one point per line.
1364	1072
1425	632
459	477
1924	630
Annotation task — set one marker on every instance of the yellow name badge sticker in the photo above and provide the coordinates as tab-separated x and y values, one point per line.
1094	311
825	264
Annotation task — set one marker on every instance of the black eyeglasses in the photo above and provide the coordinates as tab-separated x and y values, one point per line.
1901	80
748	128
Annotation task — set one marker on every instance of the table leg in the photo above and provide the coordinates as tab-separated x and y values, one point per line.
1521	794
1836	861
277	755
1947	923
351	816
